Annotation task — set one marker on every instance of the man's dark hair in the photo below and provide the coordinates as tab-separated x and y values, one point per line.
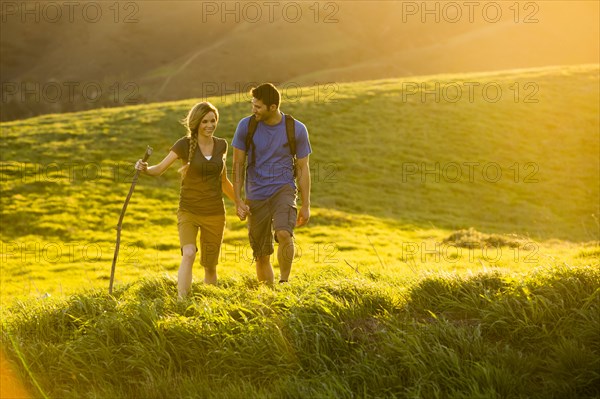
267	93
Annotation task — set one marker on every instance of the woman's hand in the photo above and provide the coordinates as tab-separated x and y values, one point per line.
242	209
141	165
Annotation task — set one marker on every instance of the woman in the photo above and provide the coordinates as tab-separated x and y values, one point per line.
204	180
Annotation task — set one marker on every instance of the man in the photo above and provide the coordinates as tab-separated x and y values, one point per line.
270	182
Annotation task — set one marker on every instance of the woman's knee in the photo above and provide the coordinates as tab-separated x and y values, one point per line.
189	252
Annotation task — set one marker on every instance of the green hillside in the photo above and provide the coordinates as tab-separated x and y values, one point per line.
391	169
452	250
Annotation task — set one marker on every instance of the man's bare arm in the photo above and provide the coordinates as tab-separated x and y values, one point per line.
238	175
303	180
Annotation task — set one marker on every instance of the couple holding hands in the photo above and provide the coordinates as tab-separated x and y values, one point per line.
270	153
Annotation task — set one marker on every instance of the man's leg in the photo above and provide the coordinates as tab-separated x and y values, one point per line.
260	235
264	270
285	253
284	221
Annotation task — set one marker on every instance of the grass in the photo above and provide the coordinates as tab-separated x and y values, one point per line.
410	281
325	336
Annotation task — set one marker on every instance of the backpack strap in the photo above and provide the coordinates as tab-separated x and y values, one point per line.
290	130
252	125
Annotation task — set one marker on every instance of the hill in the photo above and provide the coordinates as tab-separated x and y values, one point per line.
452	250
111	54
396	168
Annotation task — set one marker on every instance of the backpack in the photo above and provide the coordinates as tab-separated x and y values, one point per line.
290	130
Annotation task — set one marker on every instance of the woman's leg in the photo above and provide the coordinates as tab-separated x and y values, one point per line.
188	231
184	276
211	238
210	275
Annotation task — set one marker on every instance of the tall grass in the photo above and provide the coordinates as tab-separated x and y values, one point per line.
486	335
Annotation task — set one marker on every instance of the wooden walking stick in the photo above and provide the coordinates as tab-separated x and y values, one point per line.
133	183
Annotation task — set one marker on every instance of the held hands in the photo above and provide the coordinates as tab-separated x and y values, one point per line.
141	165
242	209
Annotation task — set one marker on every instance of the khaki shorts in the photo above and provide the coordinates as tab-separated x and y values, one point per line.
211	235
277	213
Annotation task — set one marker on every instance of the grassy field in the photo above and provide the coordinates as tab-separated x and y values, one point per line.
453	242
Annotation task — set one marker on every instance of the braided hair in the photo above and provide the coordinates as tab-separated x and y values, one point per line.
192	124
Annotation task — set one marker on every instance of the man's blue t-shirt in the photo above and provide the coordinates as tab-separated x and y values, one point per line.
273	166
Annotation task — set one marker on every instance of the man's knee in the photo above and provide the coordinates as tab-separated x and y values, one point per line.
263	259
283	236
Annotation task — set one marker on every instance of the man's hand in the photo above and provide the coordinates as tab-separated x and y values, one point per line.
303	216
242	209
